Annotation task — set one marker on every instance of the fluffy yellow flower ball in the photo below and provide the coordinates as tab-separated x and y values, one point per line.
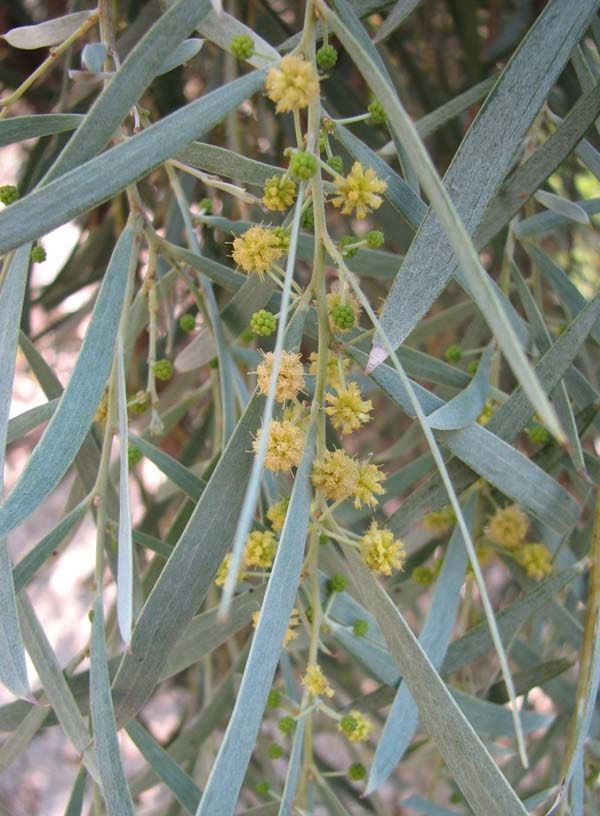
359	191
335	475
290	379
380	551
285	446
260	549
368	485
257	249
316	683
508	527
347	409
292	84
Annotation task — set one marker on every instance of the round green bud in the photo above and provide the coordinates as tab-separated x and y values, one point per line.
326	57
303	165
336	163
187	322
308	218
356	772
262	788
214	363
472	367
284	237
206	205
453	354
263	323
337	583
38	254
309	614
274	699
346	241
348	724
242	46
275	751
538	434
140	403
323	539
375	239
376	113
8	193
422	575
163	370
343	317
134	455
360	627
286	725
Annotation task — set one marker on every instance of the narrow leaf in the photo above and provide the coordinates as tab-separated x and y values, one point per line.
562	206
464	408
68	427
184	52
124	542
114	785
48	33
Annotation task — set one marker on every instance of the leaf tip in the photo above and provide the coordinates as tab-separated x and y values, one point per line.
376	357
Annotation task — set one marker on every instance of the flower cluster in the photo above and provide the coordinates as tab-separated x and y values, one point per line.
359	191
257	249
508	528
347	409
292	84
285	445
290	380
316	683
279	193
380	551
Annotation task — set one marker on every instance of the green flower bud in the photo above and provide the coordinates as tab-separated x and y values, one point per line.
286	725
337	583
38	254
262	788
163	370
303	165
206	205
214	363
375	239
140	403
422	575
263	323
134	455
336	163
8	193
453	354
343	317
356	772
538	434
275	751
472	367
274	699
242	46
377	113
284	237
326	57
360	627
346	241
187	322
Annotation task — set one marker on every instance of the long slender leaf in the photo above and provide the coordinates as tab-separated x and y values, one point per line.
70	423
474	770
20	128
124	542
114	784
227	774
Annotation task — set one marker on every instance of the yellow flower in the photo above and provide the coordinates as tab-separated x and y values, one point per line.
292	84
279	193
440	521
355	726
334	363
285	446
276	514
260	549
508	527
290	379
335	475
380	551
291	633
347	409
257	249
487	413
223	571
359	191
316	683
342	297
368	485
536	559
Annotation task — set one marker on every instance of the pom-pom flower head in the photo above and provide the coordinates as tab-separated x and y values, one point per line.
223	571
340	304
291	376
355	726
285	446
347	409
440	521
359	191
257	249
316	683
276	514
380	551
260	549
368	485
536	560
508	527
279	193
335	475
292	84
